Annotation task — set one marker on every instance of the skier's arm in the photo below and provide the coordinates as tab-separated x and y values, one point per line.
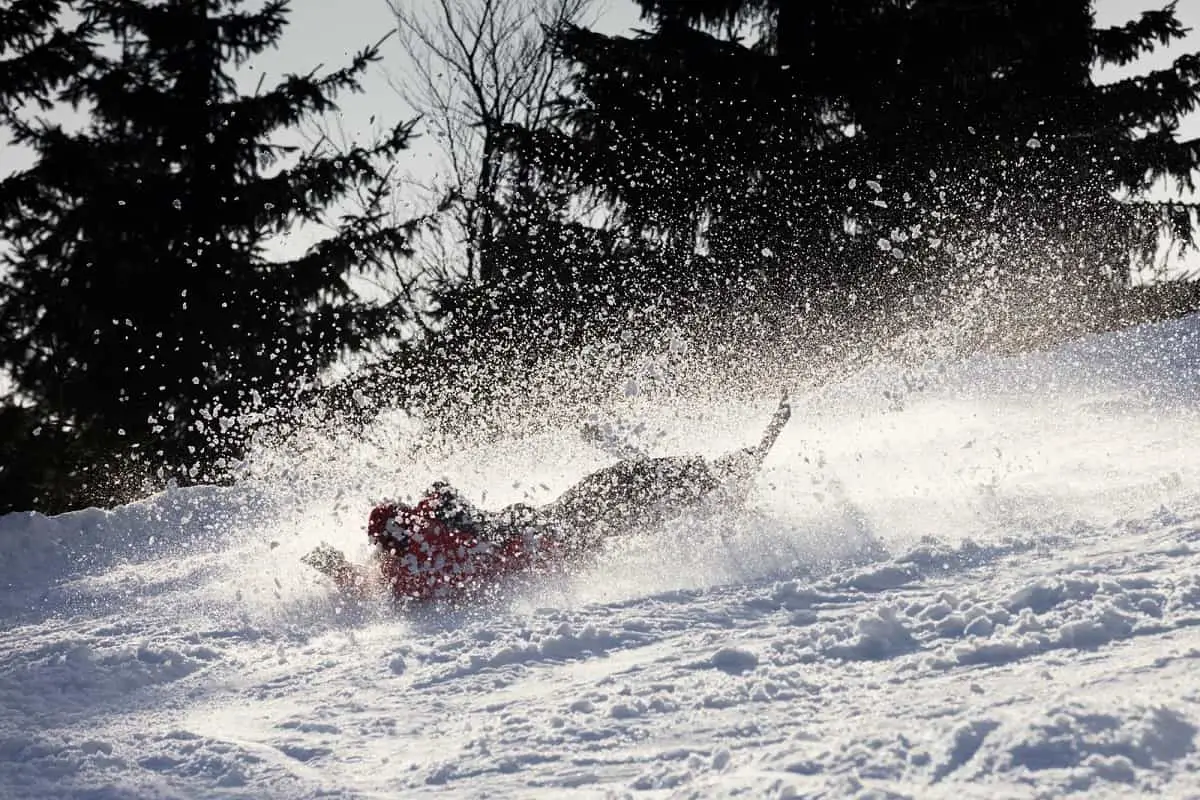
348	576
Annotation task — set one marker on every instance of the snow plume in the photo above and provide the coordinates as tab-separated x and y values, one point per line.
659	397
895	451
887	448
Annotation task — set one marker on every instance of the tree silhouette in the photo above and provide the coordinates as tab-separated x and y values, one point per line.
882	147
142	313
471	68
523	279
37	53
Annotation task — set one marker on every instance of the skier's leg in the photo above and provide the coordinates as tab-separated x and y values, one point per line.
627	497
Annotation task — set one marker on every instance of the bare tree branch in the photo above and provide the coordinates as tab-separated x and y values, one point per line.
471	68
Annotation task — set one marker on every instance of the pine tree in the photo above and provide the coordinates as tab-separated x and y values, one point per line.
142	311
875	146
996	103
37	53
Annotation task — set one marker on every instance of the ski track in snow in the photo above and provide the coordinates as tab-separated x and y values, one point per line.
982	583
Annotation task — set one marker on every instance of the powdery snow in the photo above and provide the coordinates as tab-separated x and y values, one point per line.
978	581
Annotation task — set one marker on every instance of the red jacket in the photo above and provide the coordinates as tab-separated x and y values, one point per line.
422	557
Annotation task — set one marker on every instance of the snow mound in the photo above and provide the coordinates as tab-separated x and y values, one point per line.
952	580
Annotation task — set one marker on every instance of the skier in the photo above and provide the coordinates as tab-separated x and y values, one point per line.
446	547
442	547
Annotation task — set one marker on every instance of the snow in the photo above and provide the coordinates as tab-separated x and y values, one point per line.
962	580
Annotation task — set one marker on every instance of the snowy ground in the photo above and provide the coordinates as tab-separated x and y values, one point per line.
976	581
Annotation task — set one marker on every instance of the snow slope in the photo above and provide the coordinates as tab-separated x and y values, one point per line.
973	580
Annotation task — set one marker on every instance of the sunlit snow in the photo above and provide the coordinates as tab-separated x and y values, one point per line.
965	580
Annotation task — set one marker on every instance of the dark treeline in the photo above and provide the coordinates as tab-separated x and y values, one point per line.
825	171
829	168
141	312
880	147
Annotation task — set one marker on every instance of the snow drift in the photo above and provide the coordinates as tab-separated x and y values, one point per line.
969	579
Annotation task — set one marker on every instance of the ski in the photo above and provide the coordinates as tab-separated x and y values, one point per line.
775	427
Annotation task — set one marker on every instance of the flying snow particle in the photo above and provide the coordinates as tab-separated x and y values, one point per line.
875	186
884	245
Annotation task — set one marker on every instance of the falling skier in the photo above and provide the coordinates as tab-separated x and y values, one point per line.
445	548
